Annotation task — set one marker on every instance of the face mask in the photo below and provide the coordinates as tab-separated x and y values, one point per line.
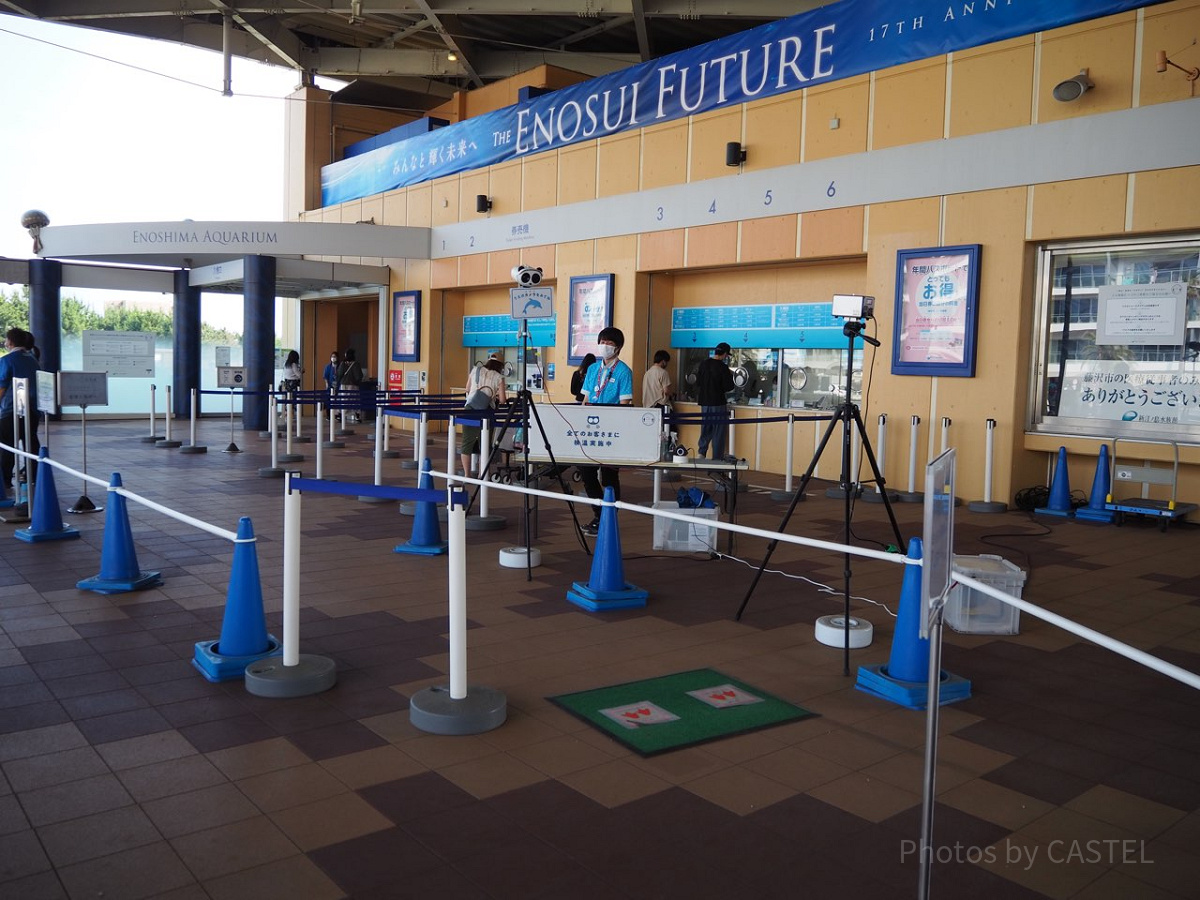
608	351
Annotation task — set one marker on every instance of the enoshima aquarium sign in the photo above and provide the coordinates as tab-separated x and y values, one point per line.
834	42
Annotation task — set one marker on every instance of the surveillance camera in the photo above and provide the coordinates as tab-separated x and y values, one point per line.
527	276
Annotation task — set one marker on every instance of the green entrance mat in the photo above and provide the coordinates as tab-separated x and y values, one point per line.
675	711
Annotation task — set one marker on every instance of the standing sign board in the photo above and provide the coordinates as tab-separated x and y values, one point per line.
531	303
604	435
231	376
47	397
122	354
83	389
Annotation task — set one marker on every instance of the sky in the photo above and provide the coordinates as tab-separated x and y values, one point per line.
99	128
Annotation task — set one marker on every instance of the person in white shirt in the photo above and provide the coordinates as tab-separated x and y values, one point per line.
656	383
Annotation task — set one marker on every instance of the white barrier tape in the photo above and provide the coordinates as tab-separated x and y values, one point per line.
178	516
1132	653
56	464
708	523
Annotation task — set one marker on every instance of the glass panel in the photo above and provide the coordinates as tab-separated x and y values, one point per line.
808	379
1122	337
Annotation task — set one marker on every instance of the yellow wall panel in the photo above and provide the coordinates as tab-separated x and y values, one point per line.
504	188
831	232
1166	199
395	207
664	155
542	257
991	87
847	101
420	206
710	133
444	273
445	200
540	181
712	245
1087	206
500	265
473	269
773	133
1104	47
470	186
619	169
577	173
909	104
769	239
661	250
1161	30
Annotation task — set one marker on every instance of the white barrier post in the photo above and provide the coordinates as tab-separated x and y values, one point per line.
168	443
152	437
273	470
451	462
457	532
320	445
987	504
422	435
485	441
195	407
788	461
912	495
291	574
880	446
945	434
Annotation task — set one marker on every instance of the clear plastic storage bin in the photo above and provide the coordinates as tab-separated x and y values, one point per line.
695	536
969	611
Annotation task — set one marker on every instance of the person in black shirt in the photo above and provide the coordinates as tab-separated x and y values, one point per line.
713	382
579	374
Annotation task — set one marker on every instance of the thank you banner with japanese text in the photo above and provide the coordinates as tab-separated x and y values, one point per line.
838	41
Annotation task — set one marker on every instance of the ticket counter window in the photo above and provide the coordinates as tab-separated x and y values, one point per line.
807	379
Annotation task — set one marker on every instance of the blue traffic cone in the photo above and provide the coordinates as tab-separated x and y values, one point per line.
426	537
244	639
607	588
46	523
905	679
1059	503
119	570
1096	510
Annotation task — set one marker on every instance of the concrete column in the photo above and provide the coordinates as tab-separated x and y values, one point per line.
186	374
258	339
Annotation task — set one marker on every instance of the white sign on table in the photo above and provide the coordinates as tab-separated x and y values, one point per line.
597	435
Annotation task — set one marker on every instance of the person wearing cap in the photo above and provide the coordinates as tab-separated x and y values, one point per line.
609	382
713	382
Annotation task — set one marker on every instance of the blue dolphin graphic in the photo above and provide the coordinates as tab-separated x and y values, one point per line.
534	303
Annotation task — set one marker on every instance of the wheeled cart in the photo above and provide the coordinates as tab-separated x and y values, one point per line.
1164	510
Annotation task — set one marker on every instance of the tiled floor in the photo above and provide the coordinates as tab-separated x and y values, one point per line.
1070	773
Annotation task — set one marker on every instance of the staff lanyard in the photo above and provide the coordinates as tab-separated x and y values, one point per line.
602	379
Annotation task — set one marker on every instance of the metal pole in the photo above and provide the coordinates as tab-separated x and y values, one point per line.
914	424
932	698
945	434
320	443
880	446
291	573
988	459
380	444
167	415
485	443
192	428
788	458
451	464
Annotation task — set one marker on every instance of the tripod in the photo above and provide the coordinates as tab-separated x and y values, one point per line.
523	412
847	415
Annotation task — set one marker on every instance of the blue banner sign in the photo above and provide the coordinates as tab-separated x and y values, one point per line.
826	44
505	331
788	325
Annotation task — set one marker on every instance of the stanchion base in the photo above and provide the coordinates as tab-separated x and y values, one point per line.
409	464
232	448
838	492
989	506
290	457
193	448
373	499
271	472
786	496
486	523
84	505
389	454
170	445
911	496
151	438
271	678
298	439
344	432
333	445
215	666
515	558
877	496
30	536
831	631
434	711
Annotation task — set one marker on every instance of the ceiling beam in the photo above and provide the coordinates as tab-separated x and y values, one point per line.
268	31
452	44
639	26
343	62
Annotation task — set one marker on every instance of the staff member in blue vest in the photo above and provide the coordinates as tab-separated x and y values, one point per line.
17	363
609	382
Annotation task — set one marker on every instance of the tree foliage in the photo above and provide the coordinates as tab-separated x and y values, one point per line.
78	317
